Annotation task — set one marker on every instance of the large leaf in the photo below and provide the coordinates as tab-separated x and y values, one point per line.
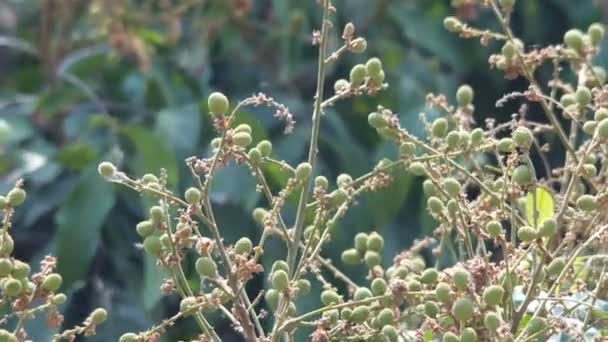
152	153
181	128
79	221
545	207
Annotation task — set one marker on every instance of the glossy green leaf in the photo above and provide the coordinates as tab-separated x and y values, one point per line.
79	222
545	206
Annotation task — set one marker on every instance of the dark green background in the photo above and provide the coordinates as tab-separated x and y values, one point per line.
76	101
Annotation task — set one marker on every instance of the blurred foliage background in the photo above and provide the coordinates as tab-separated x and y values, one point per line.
127	80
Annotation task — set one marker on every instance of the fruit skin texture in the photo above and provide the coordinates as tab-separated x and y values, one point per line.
439	128
357	75
373	66
386	316
527	233
303	171
461	279
463	309
602	129
379	286
206	267
16	197
464	95
574	39
152	245
243	246
494	229
429	276
586	202
362	293
596	33
351	257
491	321
329	297
468	335
129	337
99	316
52	282
443	292
193	196
106	169
522	137
493	294
272	298
522	175
218	104
280	280
375	242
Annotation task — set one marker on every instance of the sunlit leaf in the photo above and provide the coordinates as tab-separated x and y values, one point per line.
545	207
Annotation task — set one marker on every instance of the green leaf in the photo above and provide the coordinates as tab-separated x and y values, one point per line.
153	279
152	153
76	156
181	127
545	206
79	221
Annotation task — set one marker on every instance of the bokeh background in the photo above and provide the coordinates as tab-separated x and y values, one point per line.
126	80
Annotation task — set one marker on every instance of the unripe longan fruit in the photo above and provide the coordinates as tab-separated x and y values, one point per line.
586	202
491	321
242	139
439	128
449	336
468	335
589	127
145	228
106	169
344	180
361	242
280	265
435	205
583	96
596	33
52	282
377	120
272	298
187	306
535	325
386	317
12	287
303	171
372	258
431	308
243	246
360	314
254	155
153	245
242	128
464	95
494	229
206	267
373	66
453	140
527	233
602	129
505	145
522	175
329	297
6	267
280	280
129	337
375	242
429	276
522	137
98	316
463	309
20	270
407	149
321	182
461	278
351	257
417	169
16	197
265	148
476	136
218	104
443	292
362	293
378	286
357	75
452	24
451	186
341	86
390	333
493	294
358	45
338	197
574	39
193	196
